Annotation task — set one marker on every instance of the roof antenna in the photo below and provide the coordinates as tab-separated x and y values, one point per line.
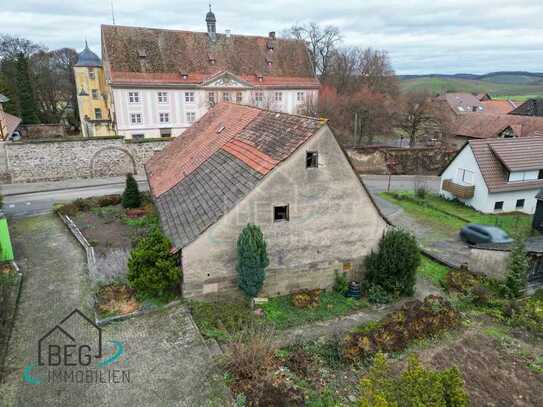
112	12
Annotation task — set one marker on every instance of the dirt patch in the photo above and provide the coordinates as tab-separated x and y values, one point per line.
494	375
116	299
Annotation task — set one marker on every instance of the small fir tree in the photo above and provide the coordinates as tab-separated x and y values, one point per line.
393	266
152	269
25	94
252	260
131	196
517	270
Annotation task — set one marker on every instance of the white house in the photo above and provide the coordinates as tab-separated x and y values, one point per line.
496	175
161	81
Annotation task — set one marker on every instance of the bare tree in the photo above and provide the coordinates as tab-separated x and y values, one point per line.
321	41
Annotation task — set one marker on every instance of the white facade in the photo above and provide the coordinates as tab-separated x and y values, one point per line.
464	170
161	112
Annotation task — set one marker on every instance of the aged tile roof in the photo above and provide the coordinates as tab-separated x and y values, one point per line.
532	107
207	170
498	106
148	55
461	102
477	125
12	122
495	156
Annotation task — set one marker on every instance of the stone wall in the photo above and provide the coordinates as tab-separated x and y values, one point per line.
422	161
54	160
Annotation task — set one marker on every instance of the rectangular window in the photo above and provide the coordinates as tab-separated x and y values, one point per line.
311	159
465	176
165	132
98	113
94	93
226	96
259	97
162	97
164	117
498	206
191	116
138	136
135	118
300	96
211	98
92	74
189	97
133	97
520	203
540	175
239	97
280	213
278	96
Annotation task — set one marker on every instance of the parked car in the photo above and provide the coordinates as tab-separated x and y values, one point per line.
474	233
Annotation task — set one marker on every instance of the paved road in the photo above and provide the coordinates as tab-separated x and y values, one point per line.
22	200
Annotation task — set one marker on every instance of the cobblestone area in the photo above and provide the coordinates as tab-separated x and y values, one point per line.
165	358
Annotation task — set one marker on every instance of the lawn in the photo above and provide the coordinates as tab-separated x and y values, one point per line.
432	270
451	216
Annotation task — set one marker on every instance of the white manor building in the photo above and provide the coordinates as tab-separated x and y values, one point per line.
161	81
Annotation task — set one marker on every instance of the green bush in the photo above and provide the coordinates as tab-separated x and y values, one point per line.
517	270
131	196
252	260
377	295
394	265
152	269
341	285
415	387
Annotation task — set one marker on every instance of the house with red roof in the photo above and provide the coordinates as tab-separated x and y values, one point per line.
161	81
8	122
495	175
286	173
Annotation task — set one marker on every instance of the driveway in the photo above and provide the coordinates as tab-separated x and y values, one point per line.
449	249
160	357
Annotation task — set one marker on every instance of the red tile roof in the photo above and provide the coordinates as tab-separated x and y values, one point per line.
169	53
498	106
495	155
259	138
481	125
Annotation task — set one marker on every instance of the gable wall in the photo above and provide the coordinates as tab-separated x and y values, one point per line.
332	222
466	160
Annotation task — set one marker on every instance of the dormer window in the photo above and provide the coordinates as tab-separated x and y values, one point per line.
211	59
184	75
269	62
259	77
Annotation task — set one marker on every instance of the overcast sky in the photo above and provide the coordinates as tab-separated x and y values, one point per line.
422	36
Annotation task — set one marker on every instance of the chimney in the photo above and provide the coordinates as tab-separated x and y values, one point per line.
228	33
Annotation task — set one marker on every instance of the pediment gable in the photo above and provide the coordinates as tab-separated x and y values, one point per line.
226	80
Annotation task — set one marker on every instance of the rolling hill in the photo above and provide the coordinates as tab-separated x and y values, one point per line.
512	85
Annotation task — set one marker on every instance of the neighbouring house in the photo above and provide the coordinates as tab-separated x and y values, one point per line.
158	81
471	126
498	106
496	175
8	122
491	260
538	215
92	95
286	173
464	102
532	107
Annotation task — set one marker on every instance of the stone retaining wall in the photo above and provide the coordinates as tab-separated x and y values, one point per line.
55	160
409	161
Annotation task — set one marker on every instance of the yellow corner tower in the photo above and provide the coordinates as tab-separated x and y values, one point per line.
92	96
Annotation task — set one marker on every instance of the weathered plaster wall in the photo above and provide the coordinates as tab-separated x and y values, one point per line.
491	263
423	161
79	158
333	225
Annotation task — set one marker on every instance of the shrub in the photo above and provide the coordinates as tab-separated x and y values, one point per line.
462	281
529	314
109	200
83	204
131	196
394	265
341	285
152	269
415	320
517	270
252	260
415	387
306	298
377	295
69	209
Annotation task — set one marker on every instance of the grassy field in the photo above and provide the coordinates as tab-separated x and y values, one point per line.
497	90
452	216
